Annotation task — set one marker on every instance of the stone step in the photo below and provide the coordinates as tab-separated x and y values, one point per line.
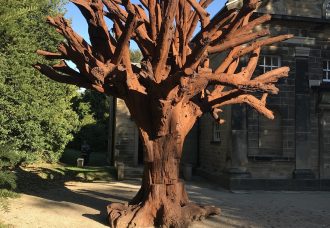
133	172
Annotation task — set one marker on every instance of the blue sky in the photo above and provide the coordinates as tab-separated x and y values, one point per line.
80	26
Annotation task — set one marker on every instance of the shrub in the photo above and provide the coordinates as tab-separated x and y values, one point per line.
9	159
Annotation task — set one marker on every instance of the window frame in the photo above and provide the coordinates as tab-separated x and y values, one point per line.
327	71
263	66
326	10
216	136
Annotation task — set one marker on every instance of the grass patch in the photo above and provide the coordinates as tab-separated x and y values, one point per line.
42	177
3	225
45	176
4	196
105	173
70	157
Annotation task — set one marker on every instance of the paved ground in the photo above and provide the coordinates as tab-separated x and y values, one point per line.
82	205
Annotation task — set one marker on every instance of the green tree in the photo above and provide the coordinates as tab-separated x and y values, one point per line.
136	56
9	159
35	113
99	104
93	111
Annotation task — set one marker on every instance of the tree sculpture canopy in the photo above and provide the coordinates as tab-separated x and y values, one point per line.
174	86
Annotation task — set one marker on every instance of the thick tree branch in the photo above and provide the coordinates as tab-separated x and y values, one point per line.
250	100
124	39
205	39
261	43
50	55
164	41
79	51
230	43
140	36
193	20
153	19
97	28
202	13
242	80
51	73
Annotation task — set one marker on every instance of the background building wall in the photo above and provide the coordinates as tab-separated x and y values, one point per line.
295	146
306	8
190	148
126	136
214	155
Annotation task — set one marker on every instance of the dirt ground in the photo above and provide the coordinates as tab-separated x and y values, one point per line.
81	205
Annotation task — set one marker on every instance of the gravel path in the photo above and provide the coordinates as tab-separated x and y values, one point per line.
83	205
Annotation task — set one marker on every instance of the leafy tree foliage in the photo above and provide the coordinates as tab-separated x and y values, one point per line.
93	111
9	158
136	56
99	104
35	113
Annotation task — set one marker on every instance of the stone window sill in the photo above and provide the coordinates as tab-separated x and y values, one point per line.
271	158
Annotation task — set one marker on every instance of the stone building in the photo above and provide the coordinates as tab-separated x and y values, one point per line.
249	151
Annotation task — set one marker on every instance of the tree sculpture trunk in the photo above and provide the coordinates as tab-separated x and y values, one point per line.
162	199
174	86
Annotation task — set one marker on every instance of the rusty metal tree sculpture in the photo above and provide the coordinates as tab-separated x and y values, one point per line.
173	87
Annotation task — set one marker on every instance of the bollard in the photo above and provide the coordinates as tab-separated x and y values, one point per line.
120	171
80	162
187	172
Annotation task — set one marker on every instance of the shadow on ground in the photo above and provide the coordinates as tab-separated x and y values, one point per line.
58	185
64	198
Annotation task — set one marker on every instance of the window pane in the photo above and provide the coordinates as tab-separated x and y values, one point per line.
261	69
216	132
268	69
268	61
325	74
325	65
276	62
327	11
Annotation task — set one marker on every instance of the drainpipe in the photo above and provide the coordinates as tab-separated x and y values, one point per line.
198	143
112	131
319	115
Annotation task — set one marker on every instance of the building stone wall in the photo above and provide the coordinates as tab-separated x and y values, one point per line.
213	155
326	145
306	8
302	152
126	136
313	38
324	131
190	148
314	134
271	169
